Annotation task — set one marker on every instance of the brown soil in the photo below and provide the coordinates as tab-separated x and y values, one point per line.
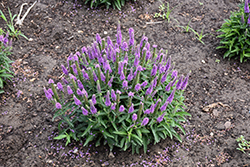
57	28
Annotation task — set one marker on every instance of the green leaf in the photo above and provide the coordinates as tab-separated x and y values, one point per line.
122	133
247	54
87	130
168	130
156	137
145	144
135	137
60	137
89	139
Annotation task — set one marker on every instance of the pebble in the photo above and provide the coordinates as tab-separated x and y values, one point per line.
111	155
105	32
227	124
203	61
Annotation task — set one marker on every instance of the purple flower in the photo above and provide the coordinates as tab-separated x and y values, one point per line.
99	87
110	81
164	77
155	81
124	46
152	108
145	121
131	37
179	83
77	102
69	90
171	97
125	84
154	46
131	108
84	50
113	106
85	74
50	91
137	87
119	35
51	81
84	92
148	55
79	92
185	82
139	68
121	109
108	102
58	106
134	117
47	94
93	99
120	67
59	86
118	92
107	67
130	76
122	76
113	95
75	57
143	40
248	20
94	76
69	59
131	94
65	71
160	118
72	77
168	65
150	89
65	81
158	101
144	84
174	74
246	7
92	107
79	83
147	46
164	106
103	78
173	82
98	39
84	111
147	111
168	87
136	62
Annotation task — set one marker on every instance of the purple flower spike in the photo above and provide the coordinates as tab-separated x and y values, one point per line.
121	109
164	77
134	117
59	86
160	118
131	108
79	83
113	95
174	74
248	20
144	84
171	97
164	106
95	76
179	83
125	84
150	89
51	81
185	82
143	40
131	94
131	37
65	81
155	81
113	106
93	99
75	57
65	71
168	65
77	102
118	92
122	76
92	107
47	94
130	76
154	46
137	87
136	62
72	77
147	111
98	39
124	46
108	102
145	121
246	7
70	92
119	35
168	87
120	67
103	78
174	81
84	50
58	106
99	87
50	91
148	55
84	111
85	74
79	92
110	81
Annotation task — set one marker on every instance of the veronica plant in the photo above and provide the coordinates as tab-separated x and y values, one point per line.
114	3
243	144
235	34
5	62
122	94
164	14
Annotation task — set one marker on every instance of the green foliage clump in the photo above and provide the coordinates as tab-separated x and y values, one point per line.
235	34
114	3
5	47
122	94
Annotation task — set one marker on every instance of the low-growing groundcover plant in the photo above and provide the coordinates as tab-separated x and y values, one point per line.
120	94
5	62
114	3
235	33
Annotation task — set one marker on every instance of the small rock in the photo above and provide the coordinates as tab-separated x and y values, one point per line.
220	126
203	61
227	124
215	113
80	31
31	39
49	161
212	134
111	155
105	32
75	151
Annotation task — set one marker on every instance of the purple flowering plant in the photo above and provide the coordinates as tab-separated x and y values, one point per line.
5	62
123	95
235	34
114	3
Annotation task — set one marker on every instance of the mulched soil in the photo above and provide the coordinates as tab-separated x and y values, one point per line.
57	28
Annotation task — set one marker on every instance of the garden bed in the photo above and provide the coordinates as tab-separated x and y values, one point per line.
57	28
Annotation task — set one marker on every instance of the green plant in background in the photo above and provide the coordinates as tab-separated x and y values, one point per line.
235	34
199	36
5	72
14	33
164	14
114	3
120	94
186	28
243	144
